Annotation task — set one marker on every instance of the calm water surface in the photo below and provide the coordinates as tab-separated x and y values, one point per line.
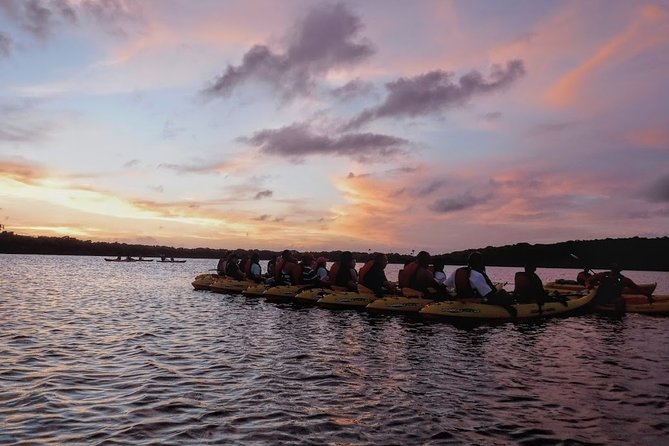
127	353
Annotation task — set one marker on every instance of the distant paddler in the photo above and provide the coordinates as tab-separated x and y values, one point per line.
343	273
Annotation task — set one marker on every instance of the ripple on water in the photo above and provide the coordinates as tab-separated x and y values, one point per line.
98	353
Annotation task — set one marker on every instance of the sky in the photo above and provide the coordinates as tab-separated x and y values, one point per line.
371	126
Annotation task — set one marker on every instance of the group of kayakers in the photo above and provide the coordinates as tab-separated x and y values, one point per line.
424	274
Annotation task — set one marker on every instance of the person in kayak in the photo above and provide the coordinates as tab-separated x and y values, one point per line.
528	286
343	273
255	271
232	267
287	271
439	274
417	276
471	281
583	276
322	271
373	276
308	276
222	263
610	287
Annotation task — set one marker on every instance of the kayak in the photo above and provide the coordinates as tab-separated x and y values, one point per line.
255	290
281	293
129	260
230	286
461	309
346	299
638	303
171	261
311	295
568	285
399	304
204	281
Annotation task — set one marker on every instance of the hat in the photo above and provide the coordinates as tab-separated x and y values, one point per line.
321	260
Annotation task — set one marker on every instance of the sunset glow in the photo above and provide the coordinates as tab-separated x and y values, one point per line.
334	125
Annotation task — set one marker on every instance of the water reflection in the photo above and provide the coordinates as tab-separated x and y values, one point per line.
95	352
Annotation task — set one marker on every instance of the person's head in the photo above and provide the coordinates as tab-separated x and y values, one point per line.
307	258
475	260
321	261
438	264
423	259
285	254
616	268
530	267
255	257
346	259
380	259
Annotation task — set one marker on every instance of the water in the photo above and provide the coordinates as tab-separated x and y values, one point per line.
93	352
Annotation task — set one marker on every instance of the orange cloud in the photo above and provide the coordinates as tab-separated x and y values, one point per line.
656	137
22	171
648	29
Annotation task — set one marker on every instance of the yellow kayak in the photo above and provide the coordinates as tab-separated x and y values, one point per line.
204	281
477	310
568	285
255	290
230	286
638	303
312	295
281	293
346	299
411	302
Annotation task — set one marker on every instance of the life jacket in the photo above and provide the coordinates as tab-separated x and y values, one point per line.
333	272
582	277
610	288
521	284
462	286
364	270
307	275
278	268
246	266
221	267
406	275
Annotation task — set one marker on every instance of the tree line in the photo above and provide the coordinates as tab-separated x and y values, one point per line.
634	253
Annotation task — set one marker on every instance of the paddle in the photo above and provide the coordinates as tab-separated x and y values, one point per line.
575	257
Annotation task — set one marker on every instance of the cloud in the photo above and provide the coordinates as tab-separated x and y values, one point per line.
323	41
21	171
492	116
6	43
646	30
658	191
431	187
263	194
203	167
435	91
459	203
297	141
40	18
351	90
131	163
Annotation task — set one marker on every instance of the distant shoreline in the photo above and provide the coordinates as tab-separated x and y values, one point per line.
636	253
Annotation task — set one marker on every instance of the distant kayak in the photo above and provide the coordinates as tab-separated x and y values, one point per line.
129	260
171	261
